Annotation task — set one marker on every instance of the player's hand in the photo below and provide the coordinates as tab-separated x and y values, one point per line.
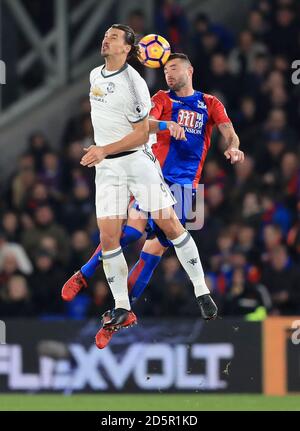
93	156
234	155
176	131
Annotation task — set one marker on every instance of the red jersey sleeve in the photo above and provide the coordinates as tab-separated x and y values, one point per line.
216	110
158	101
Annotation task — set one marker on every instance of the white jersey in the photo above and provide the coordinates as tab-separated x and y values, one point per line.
117	100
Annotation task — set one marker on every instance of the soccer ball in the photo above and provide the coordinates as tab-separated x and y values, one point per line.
154	51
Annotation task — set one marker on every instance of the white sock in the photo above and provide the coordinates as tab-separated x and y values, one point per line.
116	272
189	258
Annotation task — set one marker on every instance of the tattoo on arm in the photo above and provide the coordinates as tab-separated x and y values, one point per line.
225	126
229	134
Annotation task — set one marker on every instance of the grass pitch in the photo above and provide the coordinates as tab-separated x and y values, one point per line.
148	402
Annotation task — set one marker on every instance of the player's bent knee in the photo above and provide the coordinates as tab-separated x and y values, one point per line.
173	228
154	247
109	242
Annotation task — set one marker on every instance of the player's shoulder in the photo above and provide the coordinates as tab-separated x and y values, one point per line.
210	99
96	71
212	102
134	79
162	95
134	74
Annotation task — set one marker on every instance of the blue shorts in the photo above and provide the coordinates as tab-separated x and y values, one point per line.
184	195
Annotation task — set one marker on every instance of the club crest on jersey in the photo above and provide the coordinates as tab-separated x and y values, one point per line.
192	121
111	87
201	105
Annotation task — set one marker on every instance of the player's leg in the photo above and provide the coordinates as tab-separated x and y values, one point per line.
188	255
112	200
114	263
138	280
131	232
141	273
129	235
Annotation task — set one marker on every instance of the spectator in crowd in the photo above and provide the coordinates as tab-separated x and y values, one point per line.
15	299
100	298
21	186
272	236
50	174
244	181
241	58
78	207
46	282
245	297
37	147
10	226
81	250
293	237
74	127
282	279
178	300
9	267
284	32
171	22
17	251
45	225
246	117
258	25
221	80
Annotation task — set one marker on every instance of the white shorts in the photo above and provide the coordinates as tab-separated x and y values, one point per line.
136	174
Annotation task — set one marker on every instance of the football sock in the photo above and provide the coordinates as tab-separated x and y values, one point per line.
189	258
116	272
141	274
129	235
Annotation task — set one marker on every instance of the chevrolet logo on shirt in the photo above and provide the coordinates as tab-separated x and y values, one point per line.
97	92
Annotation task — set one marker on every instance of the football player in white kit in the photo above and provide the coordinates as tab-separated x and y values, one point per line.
120	104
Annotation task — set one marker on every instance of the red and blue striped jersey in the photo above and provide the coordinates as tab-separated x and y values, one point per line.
182	161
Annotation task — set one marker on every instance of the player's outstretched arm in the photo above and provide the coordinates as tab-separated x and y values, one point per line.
139	136
175	130
232	152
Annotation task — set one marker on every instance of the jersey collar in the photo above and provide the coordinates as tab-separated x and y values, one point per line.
173	95
115	73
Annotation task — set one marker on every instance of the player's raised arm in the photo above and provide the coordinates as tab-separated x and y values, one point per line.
232	151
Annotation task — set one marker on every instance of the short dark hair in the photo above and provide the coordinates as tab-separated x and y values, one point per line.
179	55
130	39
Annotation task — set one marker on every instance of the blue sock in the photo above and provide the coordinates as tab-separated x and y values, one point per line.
141	274
129	235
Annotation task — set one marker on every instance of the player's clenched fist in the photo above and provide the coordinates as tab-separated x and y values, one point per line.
93	156
176	131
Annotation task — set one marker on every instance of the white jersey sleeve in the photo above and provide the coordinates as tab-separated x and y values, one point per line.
139	103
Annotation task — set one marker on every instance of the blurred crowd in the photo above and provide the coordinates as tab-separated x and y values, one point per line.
250	241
